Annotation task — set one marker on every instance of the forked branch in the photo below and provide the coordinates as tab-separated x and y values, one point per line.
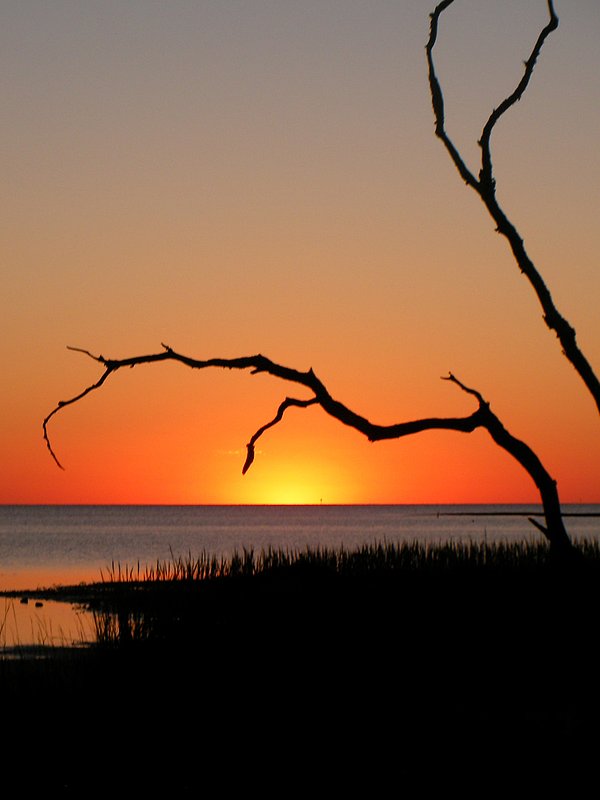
485	186
482	417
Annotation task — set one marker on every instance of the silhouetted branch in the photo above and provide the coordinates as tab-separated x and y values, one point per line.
63	403
485	187
538	525
482	417
289	401
437	99
486	161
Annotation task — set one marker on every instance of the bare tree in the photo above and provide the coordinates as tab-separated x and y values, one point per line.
485	186
482	416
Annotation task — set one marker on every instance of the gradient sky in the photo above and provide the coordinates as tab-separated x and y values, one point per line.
242	176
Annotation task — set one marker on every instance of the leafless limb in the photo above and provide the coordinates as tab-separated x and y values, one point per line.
289	401
485	186
482	417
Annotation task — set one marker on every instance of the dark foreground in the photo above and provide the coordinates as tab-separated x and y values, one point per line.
308	680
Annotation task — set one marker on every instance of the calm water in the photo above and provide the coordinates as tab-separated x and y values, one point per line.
56	544
47	545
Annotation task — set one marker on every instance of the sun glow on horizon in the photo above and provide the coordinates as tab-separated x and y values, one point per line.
287	480
301	487
265	178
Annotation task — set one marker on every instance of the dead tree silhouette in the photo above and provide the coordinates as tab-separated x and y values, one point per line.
485	186
482	416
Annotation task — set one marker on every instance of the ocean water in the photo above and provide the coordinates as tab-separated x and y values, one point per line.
43	546
60	544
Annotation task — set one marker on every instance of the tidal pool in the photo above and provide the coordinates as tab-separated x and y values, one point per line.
28	623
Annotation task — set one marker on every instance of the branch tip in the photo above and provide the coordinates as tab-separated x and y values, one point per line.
249	458
538	525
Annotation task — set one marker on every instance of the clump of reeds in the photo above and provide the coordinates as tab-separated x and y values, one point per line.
405	556
187	568
180	599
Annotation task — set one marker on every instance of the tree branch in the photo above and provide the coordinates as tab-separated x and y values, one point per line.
486	174
289	401
482	417
485	187
437	99
62	403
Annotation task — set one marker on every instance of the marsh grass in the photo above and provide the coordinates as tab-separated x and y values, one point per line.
369	558
396	659
421	645
180	599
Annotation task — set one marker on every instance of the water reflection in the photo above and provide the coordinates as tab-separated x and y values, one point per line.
27	623
122	626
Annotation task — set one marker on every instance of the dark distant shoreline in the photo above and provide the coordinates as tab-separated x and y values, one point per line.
514	514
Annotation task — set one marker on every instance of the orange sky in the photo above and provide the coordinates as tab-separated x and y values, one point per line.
234	178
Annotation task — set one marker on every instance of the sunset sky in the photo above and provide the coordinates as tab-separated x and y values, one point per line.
241	176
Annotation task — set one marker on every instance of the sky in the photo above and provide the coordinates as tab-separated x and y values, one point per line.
241	176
